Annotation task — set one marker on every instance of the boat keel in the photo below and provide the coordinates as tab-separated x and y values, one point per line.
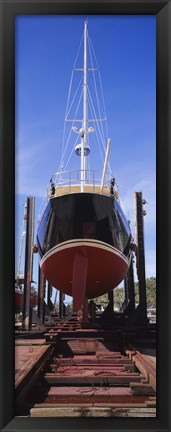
80	301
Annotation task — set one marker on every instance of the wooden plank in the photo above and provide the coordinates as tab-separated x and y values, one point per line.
95	369
145	365
30	376
70	412
92	412
75	380
88	405
30	358
106	354
29	342
91	361
131	414
139	389
62	190
151	404
59	392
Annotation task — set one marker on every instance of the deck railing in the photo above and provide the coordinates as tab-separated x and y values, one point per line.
70	181
65	181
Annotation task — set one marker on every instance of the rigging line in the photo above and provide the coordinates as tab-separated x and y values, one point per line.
92	91
101	89
99	130
96	93
69	109
66	114
106	125
78	50
100	80
71	127
103	99
98	140
64	128
81	95
93	53
70	90
73	148
63	139
104	106
98	143
98	104
105	136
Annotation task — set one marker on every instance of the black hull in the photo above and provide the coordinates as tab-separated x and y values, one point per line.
83	216
83	240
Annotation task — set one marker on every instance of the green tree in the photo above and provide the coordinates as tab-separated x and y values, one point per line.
119	294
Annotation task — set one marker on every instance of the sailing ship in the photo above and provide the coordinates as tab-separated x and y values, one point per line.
83	236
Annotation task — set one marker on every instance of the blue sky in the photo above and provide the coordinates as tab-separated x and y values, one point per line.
125	47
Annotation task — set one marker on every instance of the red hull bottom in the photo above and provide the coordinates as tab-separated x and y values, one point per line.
106	267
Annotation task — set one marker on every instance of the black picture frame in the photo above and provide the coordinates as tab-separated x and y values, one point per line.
8	10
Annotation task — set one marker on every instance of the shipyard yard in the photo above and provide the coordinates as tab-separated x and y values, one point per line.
99	364
86	373
89	358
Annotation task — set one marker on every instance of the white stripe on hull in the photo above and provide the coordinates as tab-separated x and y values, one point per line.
81	242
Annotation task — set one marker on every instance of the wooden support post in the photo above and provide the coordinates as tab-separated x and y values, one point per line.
92	309
129	309
126	289
85	312
111	301
131	290
142	308
41	296
27	324
61	304
49	295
